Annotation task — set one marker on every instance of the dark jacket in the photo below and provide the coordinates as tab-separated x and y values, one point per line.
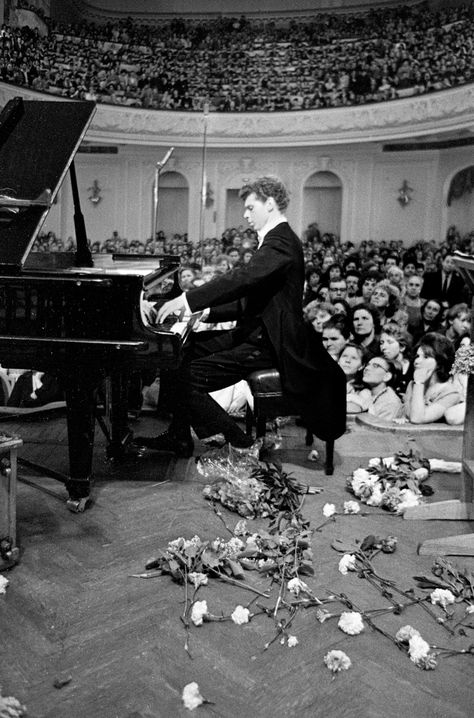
432	288
269	289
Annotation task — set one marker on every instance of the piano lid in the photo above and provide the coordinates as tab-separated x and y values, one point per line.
38	141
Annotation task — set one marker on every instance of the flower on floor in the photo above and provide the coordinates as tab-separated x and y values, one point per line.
418	648
347	563
329	510
292	641
351	623
442	596
404	634
337	661
3	584
11	708
198	612
240	615
351	507
197	579
192	697
395	482
295	585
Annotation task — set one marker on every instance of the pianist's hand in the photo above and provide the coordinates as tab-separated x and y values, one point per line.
174	306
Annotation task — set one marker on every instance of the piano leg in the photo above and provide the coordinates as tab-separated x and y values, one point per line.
80	394
117	388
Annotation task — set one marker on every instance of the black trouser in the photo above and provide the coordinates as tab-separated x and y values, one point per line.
213	360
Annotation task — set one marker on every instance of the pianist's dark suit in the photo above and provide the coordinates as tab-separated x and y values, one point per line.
265	297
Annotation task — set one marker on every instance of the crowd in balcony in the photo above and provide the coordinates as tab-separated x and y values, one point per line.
241	64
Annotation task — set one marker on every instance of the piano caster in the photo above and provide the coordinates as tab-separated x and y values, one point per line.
78	506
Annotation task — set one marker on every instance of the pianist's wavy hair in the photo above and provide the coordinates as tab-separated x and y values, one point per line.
265	187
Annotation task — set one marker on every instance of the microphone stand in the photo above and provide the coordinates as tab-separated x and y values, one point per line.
159	166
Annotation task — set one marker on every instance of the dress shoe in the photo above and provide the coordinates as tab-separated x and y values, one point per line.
166	442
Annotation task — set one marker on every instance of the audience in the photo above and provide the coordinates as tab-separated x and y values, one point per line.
349	288
325	60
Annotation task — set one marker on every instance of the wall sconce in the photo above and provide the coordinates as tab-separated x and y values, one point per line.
404	194
95	193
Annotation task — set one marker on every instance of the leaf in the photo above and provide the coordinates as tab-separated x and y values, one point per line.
425	582
343	546
210	559
236	568
306	569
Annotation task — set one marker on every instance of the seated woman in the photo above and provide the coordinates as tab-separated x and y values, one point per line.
386	299
318	313
395	347
351	361
365	327
431	391
431	319
384	402
458	323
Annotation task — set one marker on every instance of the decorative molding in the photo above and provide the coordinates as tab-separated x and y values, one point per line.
450	110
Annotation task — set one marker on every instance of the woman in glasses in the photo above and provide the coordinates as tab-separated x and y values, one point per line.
384	402
432	391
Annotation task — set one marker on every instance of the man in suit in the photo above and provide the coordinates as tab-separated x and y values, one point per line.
265	297
445	284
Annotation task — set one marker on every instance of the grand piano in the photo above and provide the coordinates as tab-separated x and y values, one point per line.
68	314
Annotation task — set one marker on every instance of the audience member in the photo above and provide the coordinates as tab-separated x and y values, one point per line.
431	391
336	334
365	324
384	403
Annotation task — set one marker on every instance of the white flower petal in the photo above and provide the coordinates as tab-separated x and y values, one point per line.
240	615
329	510
192	697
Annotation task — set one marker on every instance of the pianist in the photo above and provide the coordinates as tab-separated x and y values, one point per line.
265	298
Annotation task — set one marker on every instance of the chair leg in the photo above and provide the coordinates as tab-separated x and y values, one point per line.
329	461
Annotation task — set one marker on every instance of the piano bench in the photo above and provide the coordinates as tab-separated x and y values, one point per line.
268	404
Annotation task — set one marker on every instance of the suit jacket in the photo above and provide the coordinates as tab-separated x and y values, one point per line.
269	289
432	288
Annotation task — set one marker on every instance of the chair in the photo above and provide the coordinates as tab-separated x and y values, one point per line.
268	404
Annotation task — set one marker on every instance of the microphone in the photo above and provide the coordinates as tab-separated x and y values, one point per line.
165	158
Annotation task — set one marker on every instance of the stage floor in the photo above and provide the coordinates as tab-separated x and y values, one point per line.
72	612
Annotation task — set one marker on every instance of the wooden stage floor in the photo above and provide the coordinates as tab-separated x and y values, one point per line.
72	609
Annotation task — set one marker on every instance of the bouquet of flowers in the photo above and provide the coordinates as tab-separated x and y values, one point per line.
393	483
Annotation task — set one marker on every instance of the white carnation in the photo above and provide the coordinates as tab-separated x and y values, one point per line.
240	615
192	698
295	585
443	596
376	497
337	661
329	510
389	461
404	634
3	584
418	648
292	641
197	579
374	463
351	622
198	612
347	563
421	474
408	498
351	507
